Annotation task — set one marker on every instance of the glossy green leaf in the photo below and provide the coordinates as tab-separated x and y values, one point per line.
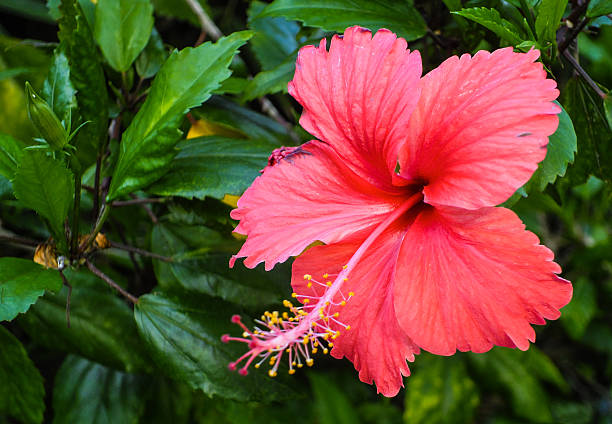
269	82
599	8
274	39
213	166
183	332
22	394
336	15
548	19
200	266
560	152
152	57
10	153
31	9
22	282
122	30
87	392
58	90
168	401
45	185
440	391
87	78
490	19
581	310
184	81
252	124
101	324
330	401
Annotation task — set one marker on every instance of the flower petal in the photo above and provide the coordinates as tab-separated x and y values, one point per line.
358	97
307	197
480	128
469	280
375	344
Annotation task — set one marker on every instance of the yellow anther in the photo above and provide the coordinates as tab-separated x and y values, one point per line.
343	303
328	284
291	371
293	294
314	350
337	314
272	373
309	362
257	365
351	294
285	315
245	334
300	365
326	336
327	303
330	344
309	285
307	277
288	350
345	279
345	267
325	351
293	363
305	340
348	327
325	275
306	300
316	343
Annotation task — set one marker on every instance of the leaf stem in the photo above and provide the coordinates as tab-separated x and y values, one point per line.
140	252
528	15
111	283
104	211
19	240
68	297
138	201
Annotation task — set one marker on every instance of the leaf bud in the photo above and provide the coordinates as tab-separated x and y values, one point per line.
45	120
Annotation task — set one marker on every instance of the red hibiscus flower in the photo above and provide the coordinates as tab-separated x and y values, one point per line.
402	189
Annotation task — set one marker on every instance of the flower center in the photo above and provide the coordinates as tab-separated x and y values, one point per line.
312	325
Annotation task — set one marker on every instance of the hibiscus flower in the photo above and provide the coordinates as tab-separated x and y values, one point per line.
401	188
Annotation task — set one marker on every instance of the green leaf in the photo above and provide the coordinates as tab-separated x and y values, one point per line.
213	166
58	90
330	401
30	9
122	30
87	78
336	15
608	109
22	282
22	394
102	327
184	334
581	310
517	372
548	19
200	267
490	19
168	401
252	124
560	152
152	57
272	81
10	154
599	8
439	389
179	9
86	392
185	80
45	185
274	39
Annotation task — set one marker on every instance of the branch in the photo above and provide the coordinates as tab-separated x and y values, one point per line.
140	251
111	283
138	201
584	74
19	240
207	24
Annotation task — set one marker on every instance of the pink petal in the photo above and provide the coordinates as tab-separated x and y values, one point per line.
469	280
358	97
480	128
375	344
307	197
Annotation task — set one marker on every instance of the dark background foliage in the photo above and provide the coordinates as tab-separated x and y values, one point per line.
163	206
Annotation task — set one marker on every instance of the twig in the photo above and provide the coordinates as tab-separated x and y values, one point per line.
575	31
147	209
111	283
587	78
104	211
140	252
139	201
68	296
18	240
207	24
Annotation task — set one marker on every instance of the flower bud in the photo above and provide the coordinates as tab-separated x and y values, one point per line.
45	120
